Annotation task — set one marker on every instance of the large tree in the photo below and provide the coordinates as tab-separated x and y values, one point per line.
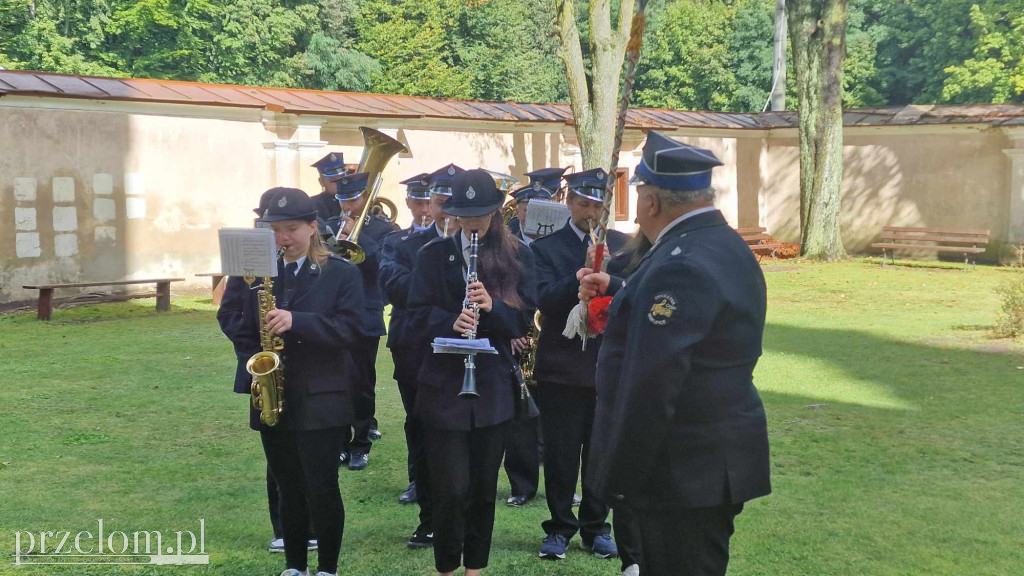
817	29
594	92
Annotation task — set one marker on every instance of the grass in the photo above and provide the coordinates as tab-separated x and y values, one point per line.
895	422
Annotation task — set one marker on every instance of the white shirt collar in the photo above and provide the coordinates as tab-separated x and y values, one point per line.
300	261
526	239
579	233
673	223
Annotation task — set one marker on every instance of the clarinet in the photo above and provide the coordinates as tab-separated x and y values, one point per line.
469	376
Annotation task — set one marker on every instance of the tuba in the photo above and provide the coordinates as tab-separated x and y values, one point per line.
378	149
265	366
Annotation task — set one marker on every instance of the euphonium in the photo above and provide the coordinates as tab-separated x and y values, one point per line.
265	366
378	149
469	376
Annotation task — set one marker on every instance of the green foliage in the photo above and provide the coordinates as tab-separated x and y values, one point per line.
995	72
1011	320
685	63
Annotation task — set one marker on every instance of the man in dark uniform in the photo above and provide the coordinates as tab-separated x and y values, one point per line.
409	348
682	431
417	199
565	373
544	185
329	167
352	199
523	450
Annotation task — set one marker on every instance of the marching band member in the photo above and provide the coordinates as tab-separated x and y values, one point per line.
565	374
544	185
682	429
465	437
351	197
318	302
411	347
417	199
329	167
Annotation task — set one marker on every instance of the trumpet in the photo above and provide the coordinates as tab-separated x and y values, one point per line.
378	149
469	376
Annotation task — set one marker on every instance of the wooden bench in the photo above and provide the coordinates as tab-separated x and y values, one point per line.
217	287
759	241
45	308
940	240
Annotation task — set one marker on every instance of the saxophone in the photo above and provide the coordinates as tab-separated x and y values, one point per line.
265	366
528	356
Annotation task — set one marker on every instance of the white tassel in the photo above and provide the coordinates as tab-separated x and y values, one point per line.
576	323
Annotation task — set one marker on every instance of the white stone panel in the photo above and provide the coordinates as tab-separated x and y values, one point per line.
27	245
63	190
102	184
106	234
104	209
135	208
65	245
25	189
25	219
134	184
65	218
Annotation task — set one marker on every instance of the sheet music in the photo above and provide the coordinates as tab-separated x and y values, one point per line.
544	217
248	252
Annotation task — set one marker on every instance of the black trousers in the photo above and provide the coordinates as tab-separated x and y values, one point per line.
305	467
463	468
627	537
365	396
522	457
274	503
417	454
567	416
686	541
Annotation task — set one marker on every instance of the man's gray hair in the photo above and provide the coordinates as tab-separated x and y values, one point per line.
670	198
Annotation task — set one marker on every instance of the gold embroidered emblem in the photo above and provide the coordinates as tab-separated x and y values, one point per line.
662	309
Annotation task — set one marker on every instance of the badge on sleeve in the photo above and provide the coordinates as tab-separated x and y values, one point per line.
662	309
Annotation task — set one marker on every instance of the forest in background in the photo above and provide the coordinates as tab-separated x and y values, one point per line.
698	54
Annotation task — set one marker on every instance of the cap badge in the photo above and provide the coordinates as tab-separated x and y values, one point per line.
282	202
537	186
451	171
344	180
470	193
600	174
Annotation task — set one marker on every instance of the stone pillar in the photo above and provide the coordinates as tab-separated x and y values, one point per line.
293	144
1016	155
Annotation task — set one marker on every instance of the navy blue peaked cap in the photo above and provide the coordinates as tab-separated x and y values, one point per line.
351	186
417	187
331	165
672	165
591	184
441	179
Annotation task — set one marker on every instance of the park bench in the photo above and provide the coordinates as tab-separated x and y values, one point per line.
163	293
759	241
949	240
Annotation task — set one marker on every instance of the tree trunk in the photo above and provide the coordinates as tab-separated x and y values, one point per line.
817	29
779	78
594	103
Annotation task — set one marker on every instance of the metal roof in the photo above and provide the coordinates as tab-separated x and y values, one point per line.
321	102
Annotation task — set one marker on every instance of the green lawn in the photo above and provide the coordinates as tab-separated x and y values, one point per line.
895	422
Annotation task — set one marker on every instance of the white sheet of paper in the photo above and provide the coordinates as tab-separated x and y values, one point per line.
544	217
248	252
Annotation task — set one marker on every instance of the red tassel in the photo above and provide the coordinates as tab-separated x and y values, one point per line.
597	314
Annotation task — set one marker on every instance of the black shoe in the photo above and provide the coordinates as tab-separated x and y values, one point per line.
553	547
517	501
409	496
374	435
421	538
358	461
343	459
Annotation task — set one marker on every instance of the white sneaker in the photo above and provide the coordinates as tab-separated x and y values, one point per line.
326	574
277	545
632	570
312	545
294	572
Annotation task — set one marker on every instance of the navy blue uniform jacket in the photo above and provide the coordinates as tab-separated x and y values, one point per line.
678	418
435	301
373	233
319	372
557	257
395	277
